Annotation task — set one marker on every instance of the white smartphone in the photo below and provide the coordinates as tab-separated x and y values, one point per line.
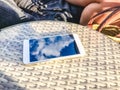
52	47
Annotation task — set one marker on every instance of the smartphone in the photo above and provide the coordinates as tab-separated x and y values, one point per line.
51	48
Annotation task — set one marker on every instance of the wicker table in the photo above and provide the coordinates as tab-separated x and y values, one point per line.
98	70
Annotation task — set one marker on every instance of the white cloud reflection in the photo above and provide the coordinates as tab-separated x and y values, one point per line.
53	48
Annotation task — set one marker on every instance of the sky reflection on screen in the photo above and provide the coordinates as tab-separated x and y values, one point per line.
52	47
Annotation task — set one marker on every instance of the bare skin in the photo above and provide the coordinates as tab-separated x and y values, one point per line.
92	7
118	35
83	2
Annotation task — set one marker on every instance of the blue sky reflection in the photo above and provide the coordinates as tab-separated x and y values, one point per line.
52	47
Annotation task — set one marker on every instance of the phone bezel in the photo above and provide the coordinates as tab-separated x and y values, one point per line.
26	53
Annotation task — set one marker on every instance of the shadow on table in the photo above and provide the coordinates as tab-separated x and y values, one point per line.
7	83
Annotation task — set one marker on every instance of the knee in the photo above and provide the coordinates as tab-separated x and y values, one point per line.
7	15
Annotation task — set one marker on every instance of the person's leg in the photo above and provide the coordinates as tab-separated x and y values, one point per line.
89	11
32	7
11	14
51	10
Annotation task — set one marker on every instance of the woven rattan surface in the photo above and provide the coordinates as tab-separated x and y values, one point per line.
99	69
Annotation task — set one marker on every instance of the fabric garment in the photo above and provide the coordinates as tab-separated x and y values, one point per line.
17	11
10	14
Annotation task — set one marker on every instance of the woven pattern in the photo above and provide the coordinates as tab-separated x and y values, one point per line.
98	70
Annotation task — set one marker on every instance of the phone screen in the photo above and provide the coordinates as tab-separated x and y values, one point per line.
52	47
